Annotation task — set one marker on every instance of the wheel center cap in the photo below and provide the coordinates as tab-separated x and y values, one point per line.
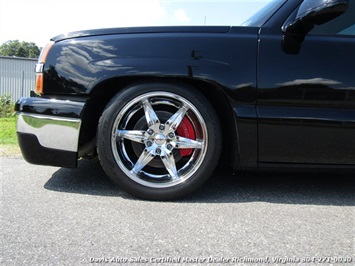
159	139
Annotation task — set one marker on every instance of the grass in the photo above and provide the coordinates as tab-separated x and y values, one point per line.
8	130
8	138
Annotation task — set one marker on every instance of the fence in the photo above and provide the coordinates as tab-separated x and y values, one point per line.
17	76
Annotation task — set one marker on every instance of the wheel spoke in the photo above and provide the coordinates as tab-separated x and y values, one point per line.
169	162
185	143
133	135
150	114
146	156
176	119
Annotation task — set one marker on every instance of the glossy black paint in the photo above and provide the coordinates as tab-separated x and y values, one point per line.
140	30
33	152
283	98
306	101
77	66
50	107
219	57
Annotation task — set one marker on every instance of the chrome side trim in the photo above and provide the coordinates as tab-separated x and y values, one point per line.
53	132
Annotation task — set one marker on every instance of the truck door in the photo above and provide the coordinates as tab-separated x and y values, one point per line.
306	99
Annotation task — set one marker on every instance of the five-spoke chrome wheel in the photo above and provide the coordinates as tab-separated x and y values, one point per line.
158	139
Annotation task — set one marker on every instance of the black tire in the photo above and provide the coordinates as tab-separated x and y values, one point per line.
159	141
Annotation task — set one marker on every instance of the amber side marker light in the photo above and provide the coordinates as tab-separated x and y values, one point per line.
40	67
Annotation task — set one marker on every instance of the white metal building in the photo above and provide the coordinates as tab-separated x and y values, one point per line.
17	76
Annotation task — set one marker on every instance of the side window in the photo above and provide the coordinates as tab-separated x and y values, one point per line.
342	25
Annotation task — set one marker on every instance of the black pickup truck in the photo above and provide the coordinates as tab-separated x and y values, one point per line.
162	106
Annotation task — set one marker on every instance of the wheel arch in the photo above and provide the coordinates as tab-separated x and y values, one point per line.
101	95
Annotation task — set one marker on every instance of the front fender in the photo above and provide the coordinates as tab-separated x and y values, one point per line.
76	66
163	67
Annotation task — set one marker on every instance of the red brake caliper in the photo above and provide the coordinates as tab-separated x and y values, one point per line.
186	130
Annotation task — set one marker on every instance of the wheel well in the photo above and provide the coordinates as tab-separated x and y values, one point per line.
103	93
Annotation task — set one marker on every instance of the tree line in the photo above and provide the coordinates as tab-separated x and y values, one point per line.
19	49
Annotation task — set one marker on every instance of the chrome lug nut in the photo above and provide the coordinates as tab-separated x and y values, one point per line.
158	150
169	147
150	131
162	127
149	143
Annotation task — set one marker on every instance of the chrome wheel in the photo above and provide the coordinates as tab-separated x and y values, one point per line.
159	139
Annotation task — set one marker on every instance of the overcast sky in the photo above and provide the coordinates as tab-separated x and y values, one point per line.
39	20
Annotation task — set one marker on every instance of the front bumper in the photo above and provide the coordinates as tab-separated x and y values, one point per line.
48	131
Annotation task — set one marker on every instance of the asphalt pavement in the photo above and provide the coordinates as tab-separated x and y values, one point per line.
58	216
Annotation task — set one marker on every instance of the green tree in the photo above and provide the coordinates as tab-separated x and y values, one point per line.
19	49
